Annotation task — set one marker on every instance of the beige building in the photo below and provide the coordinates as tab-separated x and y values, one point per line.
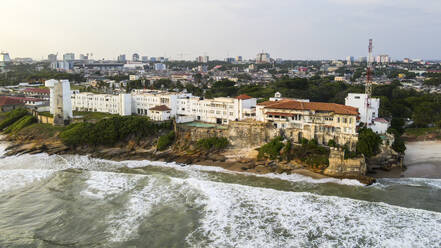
311	120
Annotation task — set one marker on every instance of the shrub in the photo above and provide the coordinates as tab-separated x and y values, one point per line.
165	141
213	143
12	117
399	145
368	142
111	130
332	143
272	149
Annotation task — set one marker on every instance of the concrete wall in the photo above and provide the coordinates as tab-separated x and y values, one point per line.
248	134
341	167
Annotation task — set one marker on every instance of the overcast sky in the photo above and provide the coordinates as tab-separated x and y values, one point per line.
289	29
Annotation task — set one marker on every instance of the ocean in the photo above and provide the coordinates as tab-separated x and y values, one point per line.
78	201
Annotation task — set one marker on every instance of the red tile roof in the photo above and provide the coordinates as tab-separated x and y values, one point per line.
37	90
5	100
160	108
381	120
317	106
243	97
278	113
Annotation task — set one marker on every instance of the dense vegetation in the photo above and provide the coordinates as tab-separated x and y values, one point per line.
12	117
38	72
308	152
111	130
20	124
368	142
213	143
165	141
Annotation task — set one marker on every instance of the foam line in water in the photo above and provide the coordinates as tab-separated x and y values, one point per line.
15	179
243	216
292	177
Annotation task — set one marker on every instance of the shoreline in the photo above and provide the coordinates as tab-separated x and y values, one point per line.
242	165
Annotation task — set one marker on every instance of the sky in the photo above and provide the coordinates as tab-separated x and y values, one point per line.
288	29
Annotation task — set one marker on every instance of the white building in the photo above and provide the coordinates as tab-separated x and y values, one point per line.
263	58
143	100
159	113
60	100
105	103
220	110
350	60
368	109
202	59
160	67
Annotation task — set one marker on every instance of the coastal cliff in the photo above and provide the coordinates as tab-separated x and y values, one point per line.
244	151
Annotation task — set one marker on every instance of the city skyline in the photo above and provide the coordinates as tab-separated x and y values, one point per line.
324	29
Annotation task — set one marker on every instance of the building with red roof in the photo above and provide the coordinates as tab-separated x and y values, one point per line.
9	103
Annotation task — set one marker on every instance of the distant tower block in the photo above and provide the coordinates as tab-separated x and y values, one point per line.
60	101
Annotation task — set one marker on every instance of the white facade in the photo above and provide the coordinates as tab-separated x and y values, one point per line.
219	110
60	98
380	126
367	107
143	100
105	103
160	67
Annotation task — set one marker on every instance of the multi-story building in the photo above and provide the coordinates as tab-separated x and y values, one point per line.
106	103
143	100
350	60
383	59
160	67
311	120
52	57
145	59
202	59
37	92
135	57
368	109
220	110
68	56
263	58
121	58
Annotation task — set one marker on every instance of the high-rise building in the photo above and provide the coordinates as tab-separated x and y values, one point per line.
160	67
229	60
406	60
239	58
68	56
4	57
144	59
383	59
202	59
84	57
362	59
263	58
121	58
52	58
135	57
349	60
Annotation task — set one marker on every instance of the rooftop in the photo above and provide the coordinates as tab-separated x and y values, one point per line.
317	106
160	108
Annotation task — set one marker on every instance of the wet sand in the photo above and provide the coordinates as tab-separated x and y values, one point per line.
423	159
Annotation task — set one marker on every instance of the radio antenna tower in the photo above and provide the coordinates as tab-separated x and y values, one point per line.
368	89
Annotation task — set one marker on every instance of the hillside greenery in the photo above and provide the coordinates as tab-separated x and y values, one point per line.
165	141
109	131
12	117
213	143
